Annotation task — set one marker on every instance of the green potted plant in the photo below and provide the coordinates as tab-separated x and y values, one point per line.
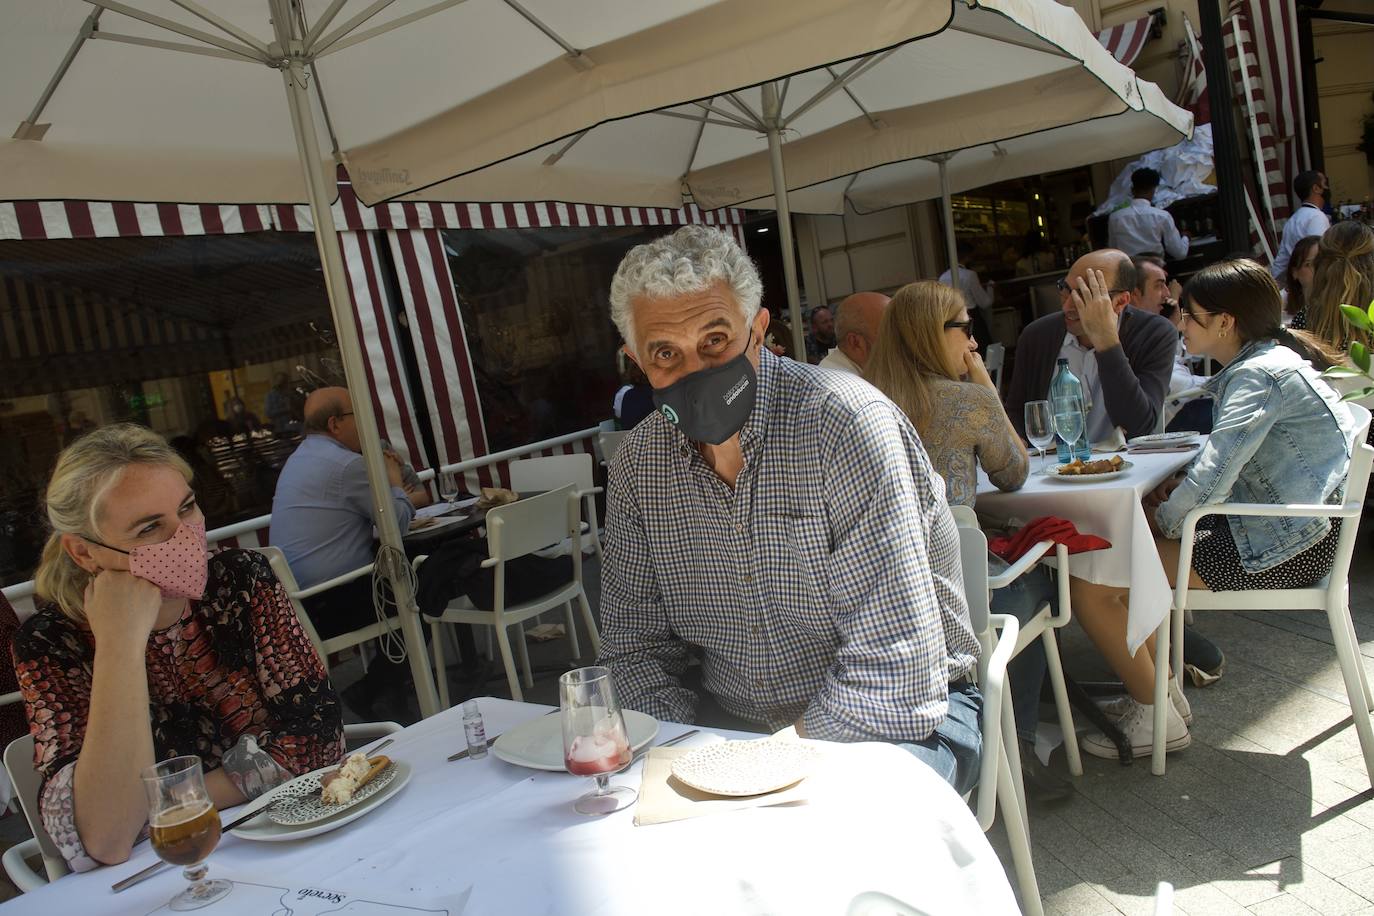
1359	354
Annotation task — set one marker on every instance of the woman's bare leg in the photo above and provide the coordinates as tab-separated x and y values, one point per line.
1101	611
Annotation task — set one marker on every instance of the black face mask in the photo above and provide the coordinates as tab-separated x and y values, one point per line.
711	405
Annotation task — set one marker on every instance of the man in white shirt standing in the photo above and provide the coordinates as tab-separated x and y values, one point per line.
1143	228
856	330
1313	190
979	299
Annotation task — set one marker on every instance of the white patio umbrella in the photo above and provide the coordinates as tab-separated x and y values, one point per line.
176	100
999	69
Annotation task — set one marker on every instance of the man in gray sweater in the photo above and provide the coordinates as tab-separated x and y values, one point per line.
1123	356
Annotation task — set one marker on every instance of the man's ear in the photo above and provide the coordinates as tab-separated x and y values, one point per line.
1121	301
761	322
630	355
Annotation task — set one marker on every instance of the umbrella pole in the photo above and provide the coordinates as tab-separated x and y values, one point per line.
355	371
772	117
947	208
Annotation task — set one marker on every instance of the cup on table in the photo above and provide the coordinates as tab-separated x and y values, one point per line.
184	827
595	741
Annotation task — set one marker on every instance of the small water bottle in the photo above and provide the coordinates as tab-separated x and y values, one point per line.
474	730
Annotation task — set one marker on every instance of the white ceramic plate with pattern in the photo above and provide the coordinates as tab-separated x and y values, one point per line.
1053	473
538	743
746	767
264	829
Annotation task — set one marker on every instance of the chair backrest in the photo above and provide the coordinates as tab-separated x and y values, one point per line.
551	472
1356	486
973	557
964	516
610	443
288	580
19	764
531	524
994	360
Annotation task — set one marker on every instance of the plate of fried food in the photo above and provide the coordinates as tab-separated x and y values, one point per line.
327	798
1080	471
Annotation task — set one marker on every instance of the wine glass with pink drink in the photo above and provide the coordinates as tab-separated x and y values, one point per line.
595	742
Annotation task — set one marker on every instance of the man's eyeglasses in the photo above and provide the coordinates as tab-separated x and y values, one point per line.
965	326
1065	288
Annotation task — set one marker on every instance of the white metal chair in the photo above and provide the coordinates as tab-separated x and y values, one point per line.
516	530
325	647
1000	775
1041	626
610	443
994	360
1331	595
19	765
549	473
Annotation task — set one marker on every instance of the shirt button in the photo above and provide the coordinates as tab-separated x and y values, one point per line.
759	683
757	629
740	529
748	578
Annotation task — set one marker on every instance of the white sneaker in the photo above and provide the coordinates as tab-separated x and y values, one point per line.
1138	726
1118	707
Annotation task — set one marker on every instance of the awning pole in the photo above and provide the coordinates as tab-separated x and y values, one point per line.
772	119
947	207
295	76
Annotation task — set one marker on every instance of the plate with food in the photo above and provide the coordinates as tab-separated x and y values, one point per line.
327	798
538	743
1079	471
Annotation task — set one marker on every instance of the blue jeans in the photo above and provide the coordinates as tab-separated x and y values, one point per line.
1026	671
955	747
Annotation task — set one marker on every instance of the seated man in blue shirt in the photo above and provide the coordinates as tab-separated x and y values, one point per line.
781	522
322	521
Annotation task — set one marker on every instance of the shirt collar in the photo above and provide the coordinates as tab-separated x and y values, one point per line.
1253	348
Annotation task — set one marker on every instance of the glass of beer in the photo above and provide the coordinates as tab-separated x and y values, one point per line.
184	827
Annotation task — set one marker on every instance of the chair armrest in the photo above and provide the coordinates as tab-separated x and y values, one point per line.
1019	568
17	866
337	580
590	491
994	679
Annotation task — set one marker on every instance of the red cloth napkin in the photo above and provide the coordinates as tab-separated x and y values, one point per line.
1045	528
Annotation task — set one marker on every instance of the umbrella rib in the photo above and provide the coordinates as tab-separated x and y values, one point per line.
349	26
195	9
1039	47
321	24
700	120
563	150
173	26
706	106
174	46
87	30
338	42
857	70
872	121
739	103
548	32
696	141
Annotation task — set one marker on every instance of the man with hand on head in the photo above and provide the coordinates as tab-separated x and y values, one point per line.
856	331
780	522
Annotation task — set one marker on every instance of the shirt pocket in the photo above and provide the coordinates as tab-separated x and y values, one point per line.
797	579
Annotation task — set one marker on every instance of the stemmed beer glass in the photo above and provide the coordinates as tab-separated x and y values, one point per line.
595	742
184	827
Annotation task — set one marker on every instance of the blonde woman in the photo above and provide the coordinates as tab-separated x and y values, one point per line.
926	360
1343	274
149	648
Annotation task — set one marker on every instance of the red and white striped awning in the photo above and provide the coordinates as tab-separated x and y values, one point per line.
1127	40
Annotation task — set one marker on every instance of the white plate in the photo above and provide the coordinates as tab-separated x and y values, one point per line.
746	767
1160	439
264	830
538	743
299	801
1052	472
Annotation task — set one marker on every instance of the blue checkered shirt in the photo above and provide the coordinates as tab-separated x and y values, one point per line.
826	585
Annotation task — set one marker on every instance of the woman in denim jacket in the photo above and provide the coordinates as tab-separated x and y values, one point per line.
1281	435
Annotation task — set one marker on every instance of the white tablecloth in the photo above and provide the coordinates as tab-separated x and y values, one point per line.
485	837
1109	509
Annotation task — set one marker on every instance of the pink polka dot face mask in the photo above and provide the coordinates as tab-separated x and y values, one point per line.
179	566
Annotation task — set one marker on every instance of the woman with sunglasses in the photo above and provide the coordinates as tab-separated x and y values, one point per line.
1281	435
149	648
926	360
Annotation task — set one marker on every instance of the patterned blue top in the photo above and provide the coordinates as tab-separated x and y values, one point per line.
826	583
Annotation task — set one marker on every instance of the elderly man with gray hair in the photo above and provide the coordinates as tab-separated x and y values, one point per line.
780	522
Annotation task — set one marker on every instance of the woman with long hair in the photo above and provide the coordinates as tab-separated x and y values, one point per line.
1298	280
1343	275
926	360
149	648
1282	435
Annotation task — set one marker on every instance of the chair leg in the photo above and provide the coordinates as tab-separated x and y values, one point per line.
1011	748
436	639
572	631
523	651
1347	653
1061	702
592	632
503	640
1359	657
1018	837
1161	696
591	519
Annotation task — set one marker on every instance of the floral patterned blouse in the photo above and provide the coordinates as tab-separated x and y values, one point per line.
235	681
969	428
